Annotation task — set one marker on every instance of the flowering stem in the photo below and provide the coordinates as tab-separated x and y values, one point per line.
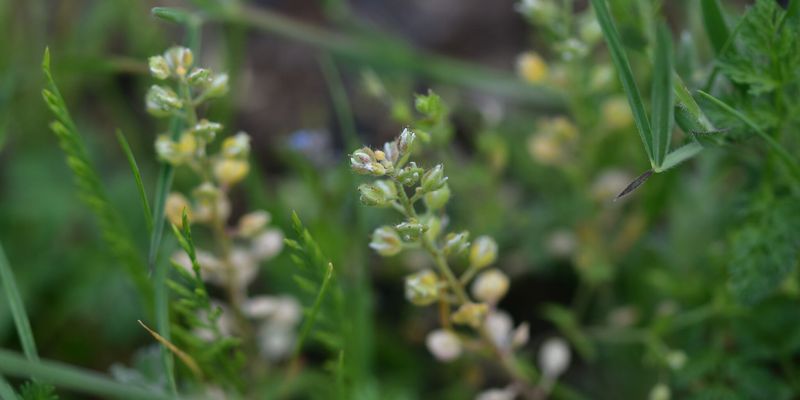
503	357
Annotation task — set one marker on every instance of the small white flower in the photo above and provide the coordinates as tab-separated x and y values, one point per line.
521	335
267	244
275	341
244	267
444	345
499	325
483	252
554	357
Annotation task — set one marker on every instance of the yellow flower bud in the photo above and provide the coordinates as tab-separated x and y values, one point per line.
471	314
483	252
490	286
230	171
531	67
422	288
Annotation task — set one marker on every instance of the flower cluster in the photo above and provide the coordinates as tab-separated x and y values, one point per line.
470	316
241	248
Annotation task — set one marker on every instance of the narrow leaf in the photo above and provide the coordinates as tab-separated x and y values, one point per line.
662	95
312	316
715	25
680	155
126	148
625	75
639	181
6	391
17	308
791	162
74	378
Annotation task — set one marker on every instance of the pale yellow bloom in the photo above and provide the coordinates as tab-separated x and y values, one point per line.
531	67
229	171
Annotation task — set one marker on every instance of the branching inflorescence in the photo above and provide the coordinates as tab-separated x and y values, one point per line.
468	312
237	251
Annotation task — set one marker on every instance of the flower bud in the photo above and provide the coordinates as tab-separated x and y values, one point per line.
431	105
521	335
455	243
158	67
434	226
437	199
229	171
252	223
363	161
433	179
199	77
217	86
386	241
554	357
444	345
237	146
422	288
378	194
162	101
405	141
472	314
490	286
391	152
179	59
483	252
409	175
660	392
411	230
676	359
531	67
167	150
206	129
174	207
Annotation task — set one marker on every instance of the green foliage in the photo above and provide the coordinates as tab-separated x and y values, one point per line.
316	278
765	53
17	308
765	249
37	391
219	358
90	188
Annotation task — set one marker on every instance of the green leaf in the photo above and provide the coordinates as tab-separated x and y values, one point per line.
715	25
765	249
37	391
74	378
790	162
126	148
680	155
625	75
90	188
6	391
662	95
17	308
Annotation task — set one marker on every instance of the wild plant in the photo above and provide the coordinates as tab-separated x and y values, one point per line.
467	299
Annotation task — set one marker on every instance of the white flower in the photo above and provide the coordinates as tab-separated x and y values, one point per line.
490	286
275	341
499	325
501	329
245	267
267	244
508	393
444	345
554	357
253	223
